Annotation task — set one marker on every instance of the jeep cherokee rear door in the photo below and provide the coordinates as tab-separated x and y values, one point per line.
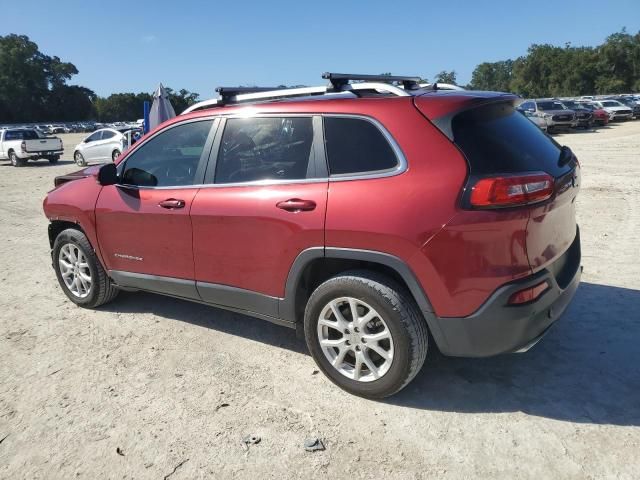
143	223
264	203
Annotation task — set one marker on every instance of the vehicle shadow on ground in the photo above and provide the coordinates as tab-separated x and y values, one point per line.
39	164
586	370
208	317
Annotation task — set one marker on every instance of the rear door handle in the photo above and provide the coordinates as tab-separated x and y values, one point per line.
296	205
172	203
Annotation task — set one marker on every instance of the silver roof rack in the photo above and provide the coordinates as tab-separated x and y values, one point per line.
339	83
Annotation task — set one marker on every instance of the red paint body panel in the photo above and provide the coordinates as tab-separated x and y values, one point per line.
241	239
75	202
237	236
131	223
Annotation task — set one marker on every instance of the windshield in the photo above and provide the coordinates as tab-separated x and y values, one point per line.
571	104
550	106
611	103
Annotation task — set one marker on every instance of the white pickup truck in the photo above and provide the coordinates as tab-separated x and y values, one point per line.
19	145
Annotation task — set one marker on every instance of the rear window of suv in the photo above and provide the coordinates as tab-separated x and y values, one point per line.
356	146
497	139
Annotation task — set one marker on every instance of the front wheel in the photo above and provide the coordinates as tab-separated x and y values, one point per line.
366	333
79	272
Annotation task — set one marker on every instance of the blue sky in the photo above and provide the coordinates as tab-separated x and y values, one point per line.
131	46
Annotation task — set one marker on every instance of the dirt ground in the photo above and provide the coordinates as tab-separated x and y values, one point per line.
152	387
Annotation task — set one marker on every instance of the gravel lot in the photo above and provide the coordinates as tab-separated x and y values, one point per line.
152	387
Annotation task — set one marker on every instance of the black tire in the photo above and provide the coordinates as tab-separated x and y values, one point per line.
406	324
53	159
102	290
79	159
15	160
114	155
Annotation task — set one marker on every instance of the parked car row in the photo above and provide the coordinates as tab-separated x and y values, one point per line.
72	127
21	144
552	114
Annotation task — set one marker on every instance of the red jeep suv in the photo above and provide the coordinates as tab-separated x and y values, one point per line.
375	216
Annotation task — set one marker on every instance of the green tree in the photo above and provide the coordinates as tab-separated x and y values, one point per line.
495	76
33	85
446	77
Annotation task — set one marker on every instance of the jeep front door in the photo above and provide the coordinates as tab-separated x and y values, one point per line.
143	223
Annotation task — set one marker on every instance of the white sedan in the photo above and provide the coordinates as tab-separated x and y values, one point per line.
101	146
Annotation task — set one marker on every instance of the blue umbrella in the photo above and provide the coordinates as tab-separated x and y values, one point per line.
161	110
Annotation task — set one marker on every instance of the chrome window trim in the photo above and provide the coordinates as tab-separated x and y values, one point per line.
400	168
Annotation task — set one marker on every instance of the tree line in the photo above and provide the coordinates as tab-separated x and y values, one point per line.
33	86
551	71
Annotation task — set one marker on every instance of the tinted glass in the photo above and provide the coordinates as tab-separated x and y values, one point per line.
611	103
107	134
356	146
265	149
170	158
13	135
550	106
93	137
497	139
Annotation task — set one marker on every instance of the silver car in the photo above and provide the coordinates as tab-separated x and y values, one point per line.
553	111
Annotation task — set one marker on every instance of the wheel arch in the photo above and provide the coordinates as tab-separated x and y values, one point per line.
316	265
58	226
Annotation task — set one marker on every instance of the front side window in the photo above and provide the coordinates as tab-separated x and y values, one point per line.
273	148
356	146
93	137
169	159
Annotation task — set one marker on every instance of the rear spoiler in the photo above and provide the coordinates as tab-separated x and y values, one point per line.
440	110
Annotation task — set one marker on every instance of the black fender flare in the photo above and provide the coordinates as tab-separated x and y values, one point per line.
287	307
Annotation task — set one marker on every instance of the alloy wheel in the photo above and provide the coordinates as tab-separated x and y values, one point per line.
74	269
355	339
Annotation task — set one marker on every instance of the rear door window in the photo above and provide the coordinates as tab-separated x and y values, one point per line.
107	134
356	146
497	139
269	148
13	135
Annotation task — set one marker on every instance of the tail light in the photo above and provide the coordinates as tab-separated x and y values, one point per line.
528	294
23	146
510	191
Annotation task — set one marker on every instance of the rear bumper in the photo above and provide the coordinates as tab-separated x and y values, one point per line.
498	327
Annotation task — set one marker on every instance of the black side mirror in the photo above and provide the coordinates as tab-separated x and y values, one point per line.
108	174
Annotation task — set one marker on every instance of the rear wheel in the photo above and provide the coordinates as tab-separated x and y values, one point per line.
53	159
366	333
15	160
79	272
79	159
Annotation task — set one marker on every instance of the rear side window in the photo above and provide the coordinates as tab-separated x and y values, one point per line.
497	139
274	148
107	134
13	135
356	146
